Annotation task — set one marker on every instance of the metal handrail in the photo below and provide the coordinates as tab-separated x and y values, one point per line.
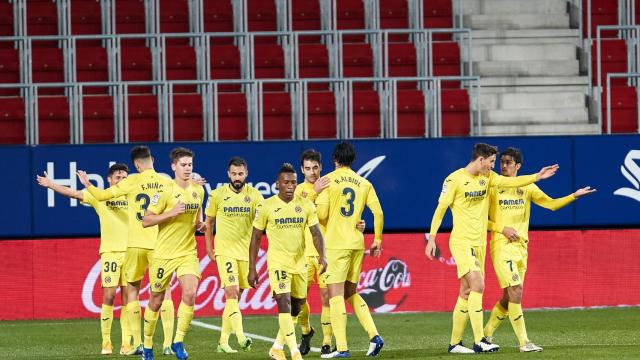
608	92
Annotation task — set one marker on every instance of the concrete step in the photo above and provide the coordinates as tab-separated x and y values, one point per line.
514	83
514	6
527	36
535	116
533	100
527	68
540	129
523	52
517	21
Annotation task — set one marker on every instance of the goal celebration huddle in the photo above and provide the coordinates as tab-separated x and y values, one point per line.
314	231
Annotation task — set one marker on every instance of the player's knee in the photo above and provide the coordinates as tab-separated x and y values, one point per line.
108	296
515	294
349	289
283	302
231	292
189	295
296	306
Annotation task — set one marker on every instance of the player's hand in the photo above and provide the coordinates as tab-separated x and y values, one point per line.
361	225
321	184
580	192
430	250
375	249
44	180
212	254
510	233
198	181
547	172
322	262
178	209
201	226
84	179
253	278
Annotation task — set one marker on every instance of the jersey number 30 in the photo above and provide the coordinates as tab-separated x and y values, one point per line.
347	210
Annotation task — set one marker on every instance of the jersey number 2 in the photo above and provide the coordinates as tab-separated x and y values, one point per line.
144	198
347	210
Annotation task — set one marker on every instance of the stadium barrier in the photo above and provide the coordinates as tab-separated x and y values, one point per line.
56	279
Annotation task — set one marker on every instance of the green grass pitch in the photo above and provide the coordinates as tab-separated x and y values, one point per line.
565	334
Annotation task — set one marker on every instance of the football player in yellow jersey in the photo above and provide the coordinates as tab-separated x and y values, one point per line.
231	209
285	217
177	211
311	167
139	190
465	191
340	208
509	213
113	246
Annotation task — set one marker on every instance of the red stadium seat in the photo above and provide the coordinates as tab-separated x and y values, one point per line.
357	60
232	116
305	15
143	118
277	116
410	113
350	15
181	65
6	23
47	67
187	117
366	114
42	19
613	59
53	120
314	63
446	61
97	114
12	120
438	15
269	64
92	65
136	66
322	115
218	16
394	15
130	19
174	18
225	64
261	16
402	61
603	12
624	110
86	17
9	70
455	112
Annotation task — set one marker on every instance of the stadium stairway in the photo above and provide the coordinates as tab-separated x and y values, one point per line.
527	57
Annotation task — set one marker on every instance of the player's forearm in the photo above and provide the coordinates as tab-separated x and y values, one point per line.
378	221
318	240
436	220
68	192
151	219
495	227
208	234
555	204
517	181
100	194
254	246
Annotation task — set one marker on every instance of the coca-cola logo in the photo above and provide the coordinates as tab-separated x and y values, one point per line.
210	293
382	287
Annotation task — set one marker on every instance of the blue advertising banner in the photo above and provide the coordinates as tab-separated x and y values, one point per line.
407	175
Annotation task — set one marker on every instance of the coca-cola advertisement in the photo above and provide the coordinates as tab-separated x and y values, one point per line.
55	279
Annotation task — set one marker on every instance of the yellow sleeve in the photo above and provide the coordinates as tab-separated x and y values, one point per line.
212	206
373	203
87	198
119	189
159	202
495	227
507	181
447	195
312	216
541	199
261	216
322	205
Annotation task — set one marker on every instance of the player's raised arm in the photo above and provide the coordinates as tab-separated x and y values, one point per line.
106	194
47	182
541	199
151	218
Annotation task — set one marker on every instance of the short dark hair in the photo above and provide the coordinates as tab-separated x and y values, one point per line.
286	168
118	167
310	155
178	153
140	152
483	150
515	154
344	154
237	161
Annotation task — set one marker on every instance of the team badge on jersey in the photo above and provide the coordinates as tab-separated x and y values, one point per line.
282	286
157	285
515	277
298	209
520	192
482	183
195	195
232	278
154	199
107	279
247	199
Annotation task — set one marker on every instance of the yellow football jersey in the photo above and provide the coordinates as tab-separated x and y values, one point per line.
346	197
467	197
234	214
306	190
139	190
113	215
285	224
176	236
512	207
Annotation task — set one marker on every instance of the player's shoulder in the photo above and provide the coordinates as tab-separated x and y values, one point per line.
199	189
87	198
251	191
304	201
454	176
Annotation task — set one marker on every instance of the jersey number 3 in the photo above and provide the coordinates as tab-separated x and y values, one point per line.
143	200
347	210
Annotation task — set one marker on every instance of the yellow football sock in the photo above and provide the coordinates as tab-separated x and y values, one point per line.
225	332
361	309
235	319
517	321
106	319
133	309
150	321
303	318
460	318
476	315
280	340
125	327
325	320
498	313
288	330
167	313
185	315
339	322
